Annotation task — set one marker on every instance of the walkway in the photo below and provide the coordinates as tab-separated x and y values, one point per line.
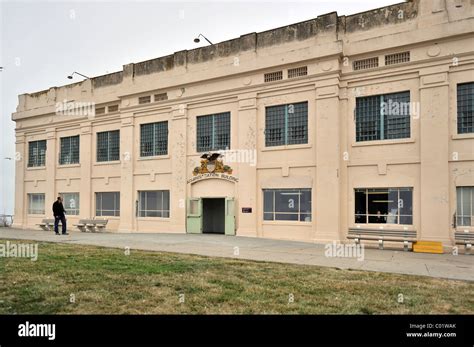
435	265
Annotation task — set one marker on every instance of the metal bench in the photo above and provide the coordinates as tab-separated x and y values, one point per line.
381	235
464	238
48	224
91	225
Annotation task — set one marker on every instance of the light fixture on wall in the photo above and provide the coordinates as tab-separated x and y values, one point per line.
77	73
197	40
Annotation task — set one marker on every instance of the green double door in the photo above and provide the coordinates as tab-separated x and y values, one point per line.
211	215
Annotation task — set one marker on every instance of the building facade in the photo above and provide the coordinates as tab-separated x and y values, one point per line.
300	132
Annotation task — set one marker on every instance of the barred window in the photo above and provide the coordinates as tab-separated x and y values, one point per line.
144	99
273	76
397	58
100	110
107	204
161	96
37	153
286	124
465	98
287	205
70	203
384	206
36	203
112	108
69	150
297	72
364	64
465	206
383	117
108	145
155	203
213	132
154	139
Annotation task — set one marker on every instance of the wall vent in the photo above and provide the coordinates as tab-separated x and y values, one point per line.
397	58
112	108
364	64
100	110
161	96
273	76
144	99
297	72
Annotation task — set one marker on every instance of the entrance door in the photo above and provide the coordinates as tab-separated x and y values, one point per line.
194	219
229	216
213	216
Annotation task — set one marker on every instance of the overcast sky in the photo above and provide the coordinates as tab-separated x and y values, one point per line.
41	42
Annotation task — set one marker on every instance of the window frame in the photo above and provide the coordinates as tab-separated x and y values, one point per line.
367	216
382	123
71	150
161	211
300	213
71	212
39	159
214	133
116	203
109	144
284	120
461	108
29	198
462	215
155	139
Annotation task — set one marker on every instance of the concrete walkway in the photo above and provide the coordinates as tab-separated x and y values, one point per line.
459	267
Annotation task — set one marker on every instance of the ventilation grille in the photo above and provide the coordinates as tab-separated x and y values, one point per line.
273	76
100	110
112	108
161	97
363	64
297	72
144	99
397	58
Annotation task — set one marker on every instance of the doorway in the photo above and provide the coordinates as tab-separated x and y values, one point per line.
213	219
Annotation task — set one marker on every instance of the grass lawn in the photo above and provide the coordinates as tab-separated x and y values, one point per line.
106	281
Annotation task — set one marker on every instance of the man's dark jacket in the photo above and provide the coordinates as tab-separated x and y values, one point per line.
58	209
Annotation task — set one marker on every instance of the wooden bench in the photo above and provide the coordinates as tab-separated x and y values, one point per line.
48	224
464	238
381	235
91	225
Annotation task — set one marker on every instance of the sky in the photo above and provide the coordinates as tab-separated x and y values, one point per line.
41	42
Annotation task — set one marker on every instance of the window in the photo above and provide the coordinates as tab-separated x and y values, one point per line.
144	99
154	203
108	145
213	132
107	204
154	139
273	76
286	124
36	203
397	58
161	96
465	206
36	153
287	205
465	94
70	203
383	117
100	110
384	205
69	150
363	64
297	72
113	108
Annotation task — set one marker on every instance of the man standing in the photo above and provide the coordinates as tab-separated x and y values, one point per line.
59	211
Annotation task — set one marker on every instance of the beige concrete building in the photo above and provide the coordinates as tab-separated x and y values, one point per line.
332	123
